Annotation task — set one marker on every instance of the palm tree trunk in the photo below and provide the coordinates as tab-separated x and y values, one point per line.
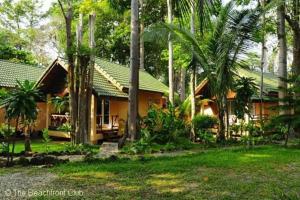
262	64
193	74
134	70
282	46
142	27
14	141
27	139
170	47
182	83
90	77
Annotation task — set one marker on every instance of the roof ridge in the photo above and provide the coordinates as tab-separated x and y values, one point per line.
109	77
36	66
99	71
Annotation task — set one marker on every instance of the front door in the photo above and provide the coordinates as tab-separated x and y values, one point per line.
103	107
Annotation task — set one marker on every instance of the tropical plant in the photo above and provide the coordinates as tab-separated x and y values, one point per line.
204	122
245	88
21	105
7	133
166	125
219	52
46	139
288	119
60	103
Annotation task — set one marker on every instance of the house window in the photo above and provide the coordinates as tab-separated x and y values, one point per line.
103	110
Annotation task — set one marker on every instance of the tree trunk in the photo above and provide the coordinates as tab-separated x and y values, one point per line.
90	77
182	83
71	68
27	145
282	61
134	70
14	142
262	63
142	27
221	115
170	47
193	74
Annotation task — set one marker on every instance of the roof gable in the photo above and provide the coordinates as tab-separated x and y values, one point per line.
11	72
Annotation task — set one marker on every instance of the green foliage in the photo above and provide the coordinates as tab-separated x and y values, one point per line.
78	149
162	130
66	127
204	122
245	88
6	132
60	104
143	145
46	139
15	55
165	125
21	101
206	137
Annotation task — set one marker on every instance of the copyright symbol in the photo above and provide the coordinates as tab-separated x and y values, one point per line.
7	192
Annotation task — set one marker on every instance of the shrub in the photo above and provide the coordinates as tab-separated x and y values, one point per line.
166	125
46	139
78	149
202	122
206	137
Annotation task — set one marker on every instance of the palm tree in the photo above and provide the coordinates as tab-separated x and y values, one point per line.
21	105
223	52
134	70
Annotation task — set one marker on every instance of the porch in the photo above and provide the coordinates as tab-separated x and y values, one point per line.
58	126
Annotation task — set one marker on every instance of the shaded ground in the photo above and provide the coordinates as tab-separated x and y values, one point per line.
269	172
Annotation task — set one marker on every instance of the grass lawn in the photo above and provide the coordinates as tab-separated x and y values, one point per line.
39	146
266	172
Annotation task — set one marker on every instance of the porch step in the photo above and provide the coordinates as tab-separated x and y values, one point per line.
108	148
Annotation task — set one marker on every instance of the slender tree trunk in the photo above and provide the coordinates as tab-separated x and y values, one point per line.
193	73
282	46
182	83
262	63
81	64
170	47
142	27
90	77
134	70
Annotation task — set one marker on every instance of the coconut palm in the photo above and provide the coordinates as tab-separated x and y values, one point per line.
221	52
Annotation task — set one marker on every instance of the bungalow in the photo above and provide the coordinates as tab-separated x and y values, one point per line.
270	89
109	104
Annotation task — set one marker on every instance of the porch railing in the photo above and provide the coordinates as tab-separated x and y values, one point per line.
57	120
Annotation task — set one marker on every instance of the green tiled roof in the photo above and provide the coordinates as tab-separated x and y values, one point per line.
104	88
10	72
270	80
120	74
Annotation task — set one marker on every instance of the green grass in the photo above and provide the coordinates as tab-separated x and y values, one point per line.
267	172
39	146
